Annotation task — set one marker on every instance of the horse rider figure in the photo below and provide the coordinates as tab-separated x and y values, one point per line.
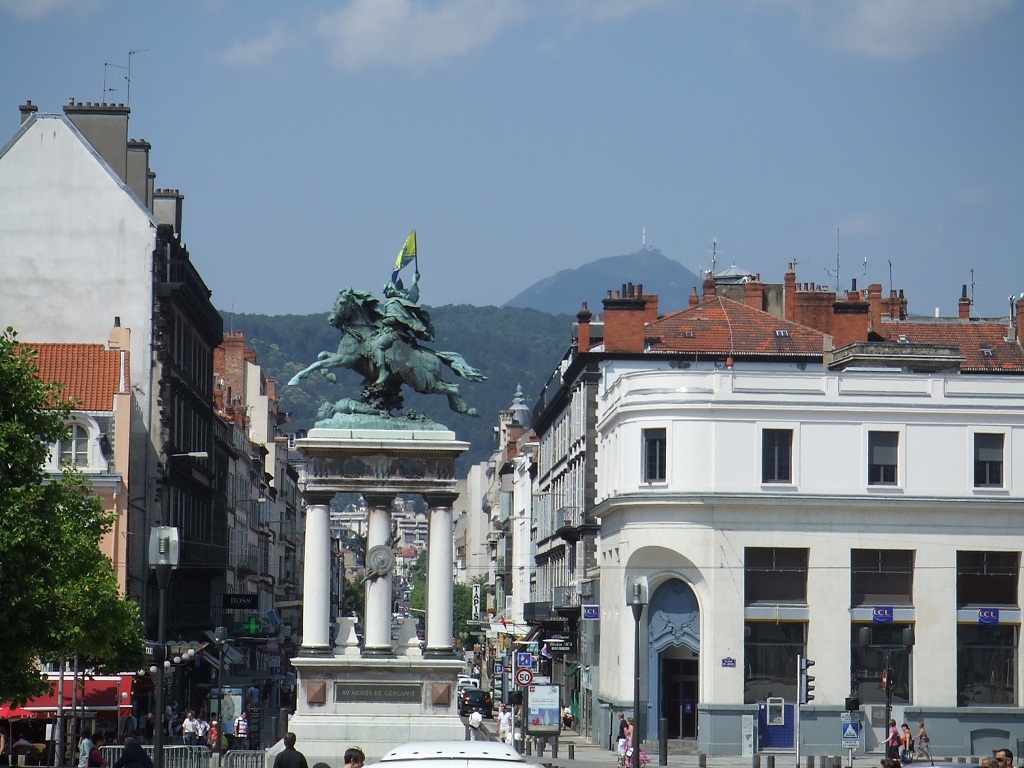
403	319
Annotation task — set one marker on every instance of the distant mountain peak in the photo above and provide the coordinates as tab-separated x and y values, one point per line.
564	292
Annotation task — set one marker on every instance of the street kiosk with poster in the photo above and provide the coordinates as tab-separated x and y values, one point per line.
542	710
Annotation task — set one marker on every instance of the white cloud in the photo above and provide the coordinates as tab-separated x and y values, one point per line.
261	50
607	10
412	34
862	223
895	28
34	9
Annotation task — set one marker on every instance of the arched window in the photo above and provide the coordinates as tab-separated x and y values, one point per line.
75	449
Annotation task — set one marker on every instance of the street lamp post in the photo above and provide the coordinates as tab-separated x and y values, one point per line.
636	599
163	556
220	635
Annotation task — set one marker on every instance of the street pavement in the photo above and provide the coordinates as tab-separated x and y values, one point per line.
588	755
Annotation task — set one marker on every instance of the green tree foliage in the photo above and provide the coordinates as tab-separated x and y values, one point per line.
462	599
60	591
510	346
354	603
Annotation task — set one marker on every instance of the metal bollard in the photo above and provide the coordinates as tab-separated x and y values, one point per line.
554	749
810	761
702	760
769	761
755	760
572	751
663	741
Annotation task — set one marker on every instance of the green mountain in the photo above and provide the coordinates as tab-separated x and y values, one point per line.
511	346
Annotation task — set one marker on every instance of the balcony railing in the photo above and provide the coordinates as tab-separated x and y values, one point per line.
565	596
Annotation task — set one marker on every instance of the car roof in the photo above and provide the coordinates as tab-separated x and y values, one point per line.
474	690
449	753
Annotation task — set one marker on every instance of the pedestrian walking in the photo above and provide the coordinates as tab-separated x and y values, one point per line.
924	748
84	749
504	723
290	757
475	721
242	730
894	741
906	744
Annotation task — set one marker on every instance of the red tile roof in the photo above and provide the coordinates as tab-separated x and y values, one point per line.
723	326
973	337
91	373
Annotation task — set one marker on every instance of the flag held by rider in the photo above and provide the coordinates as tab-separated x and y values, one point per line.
407	254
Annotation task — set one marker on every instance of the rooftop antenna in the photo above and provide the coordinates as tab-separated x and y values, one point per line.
643	237
972	288
836	273
128	77
865	273
714	255
890	288
107	65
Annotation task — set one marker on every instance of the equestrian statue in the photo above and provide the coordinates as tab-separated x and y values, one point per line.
383	341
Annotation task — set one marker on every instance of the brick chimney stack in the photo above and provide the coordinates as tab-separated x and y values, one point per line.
964	305
1020	322
583	324
875	307
694	298
709	287
27	110
789	293
626	316
753	293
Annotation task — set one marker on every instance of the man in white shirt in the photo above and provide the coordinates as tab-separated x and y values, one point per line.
504	723
475	721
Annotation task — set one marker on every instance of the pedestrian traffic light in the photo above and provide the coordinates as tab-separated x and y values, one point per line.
806	681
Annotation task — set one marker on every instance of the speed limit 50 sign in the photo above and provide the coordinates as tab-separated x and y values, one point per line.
524	676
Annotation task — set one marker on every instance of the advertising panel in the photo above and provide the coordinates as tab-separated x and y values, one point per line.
542	710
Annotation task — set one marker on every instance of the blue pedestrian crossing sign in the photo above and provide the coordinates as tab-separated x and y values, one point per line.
524	660
851	734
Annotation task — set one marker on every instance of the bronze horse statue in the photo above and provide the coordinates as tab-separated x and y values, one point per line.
370	337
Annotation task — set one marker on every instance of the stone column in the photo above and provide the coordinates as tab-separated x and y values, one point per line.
378	586
316	582
440	578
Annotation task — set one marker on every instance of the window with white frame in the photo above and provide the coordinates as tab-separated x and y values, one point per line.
74	450
883	461
654	458
988	460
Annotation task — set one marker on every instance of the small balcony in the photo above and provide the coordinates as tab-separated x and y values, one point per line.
566	598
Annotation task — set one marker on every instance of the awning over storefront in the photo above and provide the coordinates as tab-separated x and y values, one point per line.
572	669
110	693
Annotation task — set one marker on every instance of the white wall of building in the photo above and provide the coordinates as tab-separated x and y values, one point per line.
75	245
696	525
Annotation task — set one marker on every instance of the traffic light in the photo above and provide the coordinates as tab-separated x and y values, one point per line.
806	681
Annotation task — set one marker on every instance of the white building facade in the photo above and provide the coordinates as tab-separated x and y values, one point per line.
853	517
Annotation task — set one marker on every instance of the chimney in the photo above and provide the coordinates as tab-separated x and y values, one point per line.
138	171
583	324
709	287
27	110
964	305
753	293
625	317
875	308
167	205
105	127
1020	322
694	298
789	293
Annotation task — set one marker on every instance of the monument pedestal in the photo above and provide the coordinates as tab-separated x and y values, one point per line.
389	692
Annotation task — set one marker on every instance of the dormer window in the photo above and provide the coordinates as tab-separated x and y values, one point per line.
782	333
74	450
687	334
986	350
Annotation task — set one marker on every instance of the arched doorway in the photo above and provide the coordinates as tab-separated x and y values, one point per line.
674	659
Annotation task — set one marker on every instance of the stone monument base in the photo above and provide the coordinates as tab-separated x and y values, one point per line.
374	704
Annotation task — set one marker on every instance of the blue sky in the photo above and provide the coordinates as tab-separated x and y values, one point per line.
521	137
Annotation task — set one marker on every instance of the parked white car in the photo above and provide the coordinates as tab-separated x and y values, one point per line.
453	754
